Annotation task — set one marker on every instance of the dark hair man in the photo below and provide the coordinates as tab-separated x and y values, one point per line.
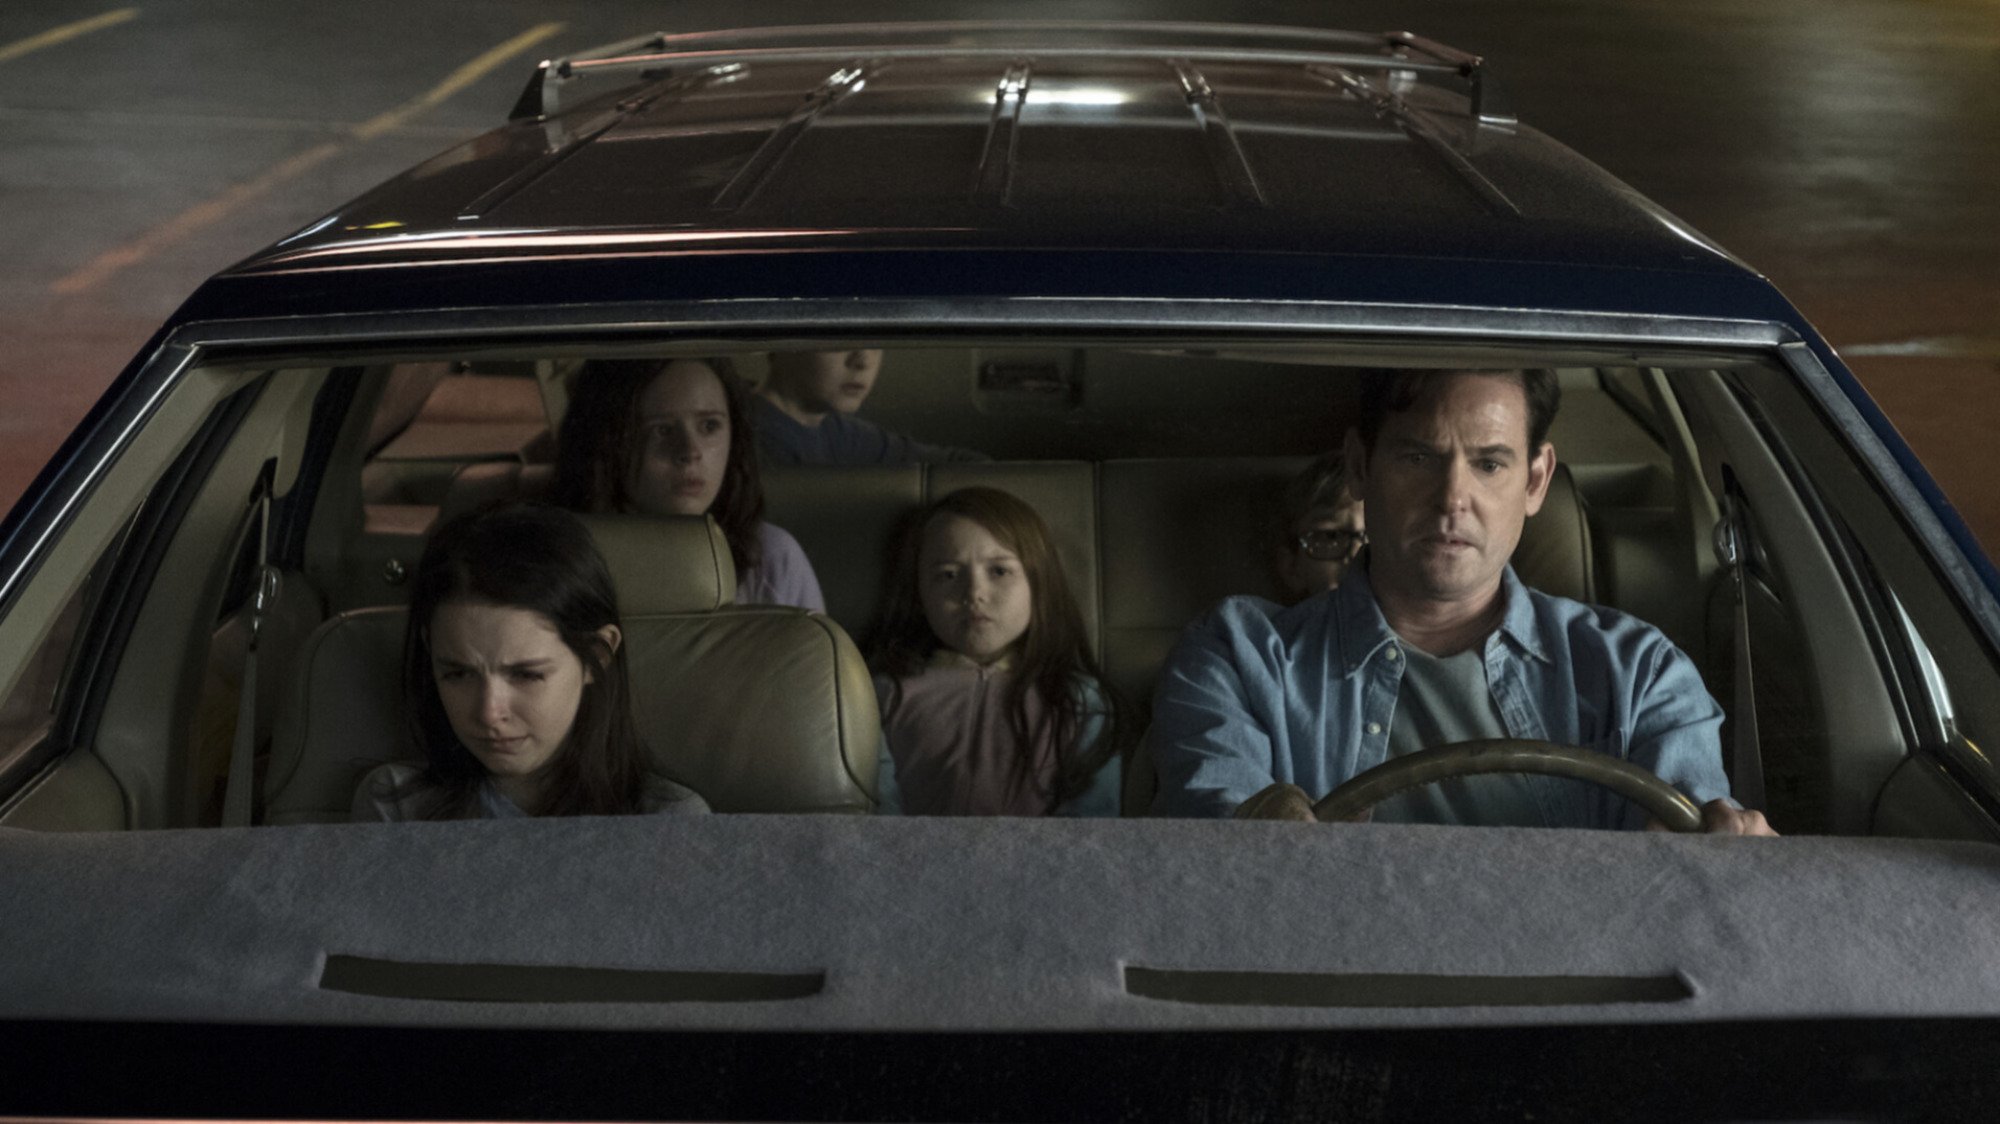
1434	640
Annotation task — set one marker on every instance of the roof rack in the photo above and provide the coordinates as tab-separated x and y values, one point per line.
1415	123
662	54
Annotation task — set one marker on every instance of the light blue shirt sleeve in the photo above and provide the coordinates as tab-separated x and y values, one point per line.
1254	694
1211	736
888	798
1676	729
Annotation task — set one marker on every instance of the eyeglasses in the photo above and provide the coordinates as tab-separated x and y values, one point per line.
1332	546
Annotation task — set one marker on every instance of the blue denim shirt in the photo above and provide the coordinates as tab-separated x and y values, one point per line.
1255	693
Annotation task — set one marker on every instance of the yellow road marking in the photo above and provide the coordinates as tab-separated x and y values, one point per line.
102	267
66	32
108	264
458	80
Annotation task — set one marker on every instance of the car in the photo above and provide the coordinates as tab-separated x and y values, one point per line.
1144	268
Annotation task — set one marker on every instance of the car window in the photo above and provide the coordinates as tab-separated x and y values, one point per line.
1627	387
1157	469
30	705
1936	691
1929	648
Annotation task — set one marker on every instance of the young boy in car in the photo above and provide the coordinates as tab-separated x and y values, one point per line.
805	414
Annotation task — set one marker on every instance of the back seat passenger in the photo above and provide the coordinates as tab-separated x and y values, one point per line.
759	709
1148	544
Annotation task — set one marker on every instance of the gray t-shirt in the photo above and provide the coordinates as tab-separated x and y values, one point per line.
1446	700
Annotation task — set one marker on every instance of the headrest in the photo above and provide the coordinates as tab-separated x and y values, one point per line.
665	564
1554	554
759	709
484	482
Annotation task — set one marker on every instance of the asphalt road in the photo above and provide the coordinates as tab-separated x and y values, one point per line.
1848	148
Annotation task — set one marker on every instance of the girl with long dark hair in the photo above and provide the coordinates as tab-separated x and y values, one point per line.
674	437
514	680
991	702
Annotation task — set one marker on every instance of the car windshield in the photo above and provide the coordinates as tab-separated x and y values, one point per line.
1161	472
214	636
988	570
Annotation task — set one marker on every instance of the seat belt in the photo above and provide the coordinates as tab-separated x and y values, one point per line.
238	795
1732	544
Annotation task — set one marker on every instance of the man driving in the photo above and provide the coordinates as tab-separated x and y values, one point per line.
1432	640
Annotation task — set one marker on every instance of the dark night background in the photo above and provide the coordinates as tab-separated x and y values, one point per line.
1844	147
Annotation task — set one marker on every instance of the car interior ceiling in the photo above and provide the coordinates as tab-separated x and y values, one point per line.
1153	462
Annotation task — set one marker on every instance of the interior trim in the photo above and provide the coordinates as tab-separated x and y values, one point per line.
547	983
1383	989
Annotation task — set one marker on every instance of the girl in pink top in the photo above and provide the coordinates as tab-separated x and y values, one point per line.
991	702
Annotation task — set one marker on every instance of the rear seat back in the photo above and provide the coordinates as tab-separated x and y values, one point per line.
1149	545
679	564
846	517
1179	536
759	709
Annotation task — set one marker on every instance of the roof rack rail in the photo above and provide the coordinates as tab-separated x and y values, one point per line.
1487	103
542	97
1414	123
661	54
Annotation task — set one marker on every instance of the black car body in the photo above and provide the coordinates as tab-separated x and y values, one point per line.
1138	257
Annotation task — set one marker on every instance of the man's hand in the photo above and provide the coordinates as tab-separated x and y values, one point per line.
1287	802
1278	802
1720	817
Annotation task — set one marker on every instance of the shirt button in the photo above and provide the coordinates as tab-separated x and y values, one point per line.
1374	728
1395	654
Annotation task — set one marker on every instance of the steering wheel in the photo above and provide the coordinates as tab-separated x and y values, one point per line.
1510	755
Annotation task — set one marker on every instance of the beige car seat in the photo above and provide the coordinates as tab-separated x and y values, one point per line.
759	709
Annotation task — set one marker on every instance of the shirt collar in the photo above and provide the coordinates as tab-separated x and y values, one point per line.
1519	624
1358	619
1364	632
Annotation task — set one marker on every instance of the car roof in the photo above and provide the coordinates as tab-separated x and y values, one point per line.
1201	138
